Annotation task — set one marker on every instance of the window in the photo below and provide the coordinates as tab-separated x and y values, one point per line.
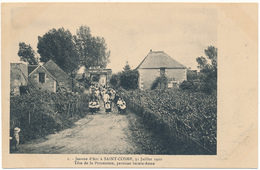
162	71
42	77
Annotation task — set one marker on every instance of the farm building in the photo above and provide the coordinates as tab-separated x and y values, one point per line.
18	76
49	76
156	64
103	75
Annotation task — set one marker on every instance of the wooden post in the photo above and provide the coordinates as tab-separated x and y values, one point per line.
68	110
29	117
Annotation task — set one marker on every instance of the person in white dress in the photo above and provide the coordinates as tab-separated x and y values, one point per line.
16	137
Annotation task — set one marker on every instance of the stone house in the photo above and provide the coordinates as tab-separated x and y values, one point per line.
158	63
49	76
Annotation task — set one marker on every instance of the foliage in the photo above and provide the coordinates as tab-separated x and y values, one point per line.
127	67
129	79
209	70
26	53
92	50
115	80
202	62
96	77
160	82
192	75
192	115
43	113
59	46
187	85
85	80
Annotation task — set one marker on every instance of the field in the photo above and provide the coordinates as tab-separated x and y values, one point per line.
187	117
177	122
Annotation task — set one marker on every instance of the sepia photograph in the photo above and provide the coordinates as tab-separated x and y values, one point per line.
111	79
80	90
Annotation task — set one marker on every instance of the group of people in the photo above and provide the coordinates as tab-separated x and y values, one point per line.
108	96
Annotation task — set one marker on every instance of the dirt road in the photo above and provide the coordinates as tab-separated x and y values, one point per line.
101	133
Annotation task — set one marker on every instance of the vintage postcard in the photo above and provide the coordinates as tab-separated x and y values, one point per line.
120	85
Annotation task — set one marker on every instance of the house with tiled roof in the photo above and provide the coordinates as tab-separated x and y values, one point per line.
49	76
158	63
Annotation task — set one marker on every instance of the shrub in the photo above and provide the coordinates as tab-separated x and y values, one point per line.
115	80
129	79
160	82
187	85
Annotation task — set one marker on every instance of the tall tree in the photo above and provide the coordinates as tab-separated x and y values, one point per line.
129	78
27	54
92	50
202	62
209	69
212	54
127	67
59	46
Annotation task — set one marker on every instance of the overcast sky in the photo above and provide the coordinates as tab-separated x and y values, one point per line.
183	31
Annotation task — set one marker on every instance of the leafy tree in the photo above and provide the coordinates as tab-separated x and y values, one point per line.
59	45
27	54
209	69
192	75
202	62
127	67
129	79
212	54
92	50
115	80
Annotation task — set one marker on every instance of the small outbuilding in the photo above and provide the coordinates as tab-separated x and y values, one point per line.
156	64
50	77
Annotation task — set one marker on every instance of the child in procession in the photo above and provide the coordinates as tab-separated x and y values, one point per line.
108	106
121	105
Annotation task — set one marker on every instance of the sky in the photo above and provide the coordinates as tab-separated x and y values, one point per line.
131	30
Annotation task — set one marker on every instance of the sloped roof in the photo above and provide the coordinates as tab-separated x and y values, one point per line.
31	68
159	59
41	66
56	71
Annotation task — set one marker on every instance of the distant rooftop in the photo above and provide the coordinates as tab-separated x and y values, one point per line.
159	59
